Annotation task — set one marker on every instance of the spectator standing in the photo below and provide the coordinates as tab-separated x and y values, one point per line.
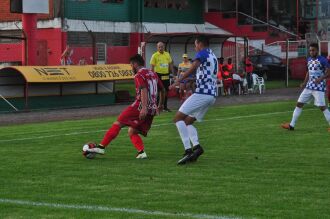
249	72
161	62
66	56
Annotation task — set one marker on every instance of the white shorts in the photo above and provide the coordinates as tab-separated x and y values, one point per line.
197	105
307	94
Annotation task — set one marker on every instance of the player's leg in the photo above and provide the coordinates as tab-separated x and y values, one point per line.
319	100
182	88
198	115
296	114
193	136
326	113
179	121
126	118
109	136
137	142
194	107
304	97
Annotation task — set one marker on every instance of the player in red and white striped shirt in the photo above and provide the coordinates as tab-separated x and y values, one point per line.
138	116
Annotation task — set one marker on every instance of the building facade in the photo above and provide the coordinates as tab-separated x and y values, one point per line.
296	16
109	31
113	29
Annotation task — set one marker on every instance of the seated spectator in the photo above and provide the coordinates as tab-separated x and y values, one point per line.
186	86
230	66
238	82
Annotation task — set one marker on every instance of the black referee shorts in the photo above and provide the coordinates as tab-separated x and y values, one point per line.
165	78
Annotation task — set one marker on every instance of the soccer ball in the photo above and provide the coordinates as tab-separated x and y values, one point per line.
89	155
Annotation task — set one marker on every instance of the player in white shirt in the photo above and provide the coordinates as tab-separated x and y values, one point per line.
195	107
315	86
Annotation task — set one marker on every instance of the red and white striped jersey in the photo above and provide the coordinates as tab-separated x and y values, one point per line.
146	78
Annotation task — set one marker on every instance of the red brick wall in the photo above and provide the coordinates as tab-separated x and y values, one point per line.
118	54
5	14
11	52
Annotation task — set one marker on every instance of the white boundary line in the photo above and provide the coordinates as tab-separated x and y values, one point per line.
112	209
158	125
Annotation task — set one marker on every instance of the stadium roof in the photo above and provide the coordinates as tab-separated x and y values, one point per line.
185	34
164	28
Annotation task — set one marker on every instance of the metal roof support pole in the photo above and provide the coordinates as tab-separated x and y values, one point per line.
186	44
287	63
26	95
61	89
236	54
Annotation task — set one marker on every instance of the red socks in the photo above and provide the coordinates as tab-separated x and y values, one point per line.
110	135
114	131
137	142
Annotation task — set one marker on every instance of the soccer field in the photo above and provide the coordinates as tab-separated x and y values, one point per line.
251	169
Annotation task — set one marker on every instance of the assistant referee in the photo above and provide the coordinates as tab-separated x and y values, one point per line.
162	63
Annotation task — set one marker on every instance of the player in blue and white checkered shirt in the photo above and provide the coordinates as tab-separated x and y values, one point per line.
195	107
315	86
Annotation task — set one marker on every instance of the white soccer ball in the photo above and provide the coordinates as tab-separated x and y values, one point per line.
86	153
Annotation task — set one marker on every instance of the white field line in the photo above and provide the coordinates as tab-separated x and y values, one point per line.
49	130
111	209
158	125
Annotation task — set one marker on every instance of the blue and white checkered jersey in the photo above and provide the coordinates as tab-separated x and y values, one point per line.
206	75
317	68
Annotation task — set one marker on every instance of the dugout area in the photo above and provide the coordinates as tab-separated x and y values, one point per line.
222	43
24	88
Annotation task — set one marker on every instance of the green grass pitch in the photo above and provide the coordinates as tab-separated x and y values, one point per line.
251	169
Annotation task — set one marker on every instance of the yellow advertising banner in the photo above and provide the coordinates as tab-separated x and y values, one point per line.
71	73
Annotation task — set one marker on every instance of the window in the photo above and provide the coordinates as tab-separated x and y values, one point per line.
10	33
267	60
112	1
169	4
111	39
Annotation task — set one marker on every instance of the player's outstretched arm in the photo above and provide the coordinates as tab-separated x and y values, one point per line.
190	71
